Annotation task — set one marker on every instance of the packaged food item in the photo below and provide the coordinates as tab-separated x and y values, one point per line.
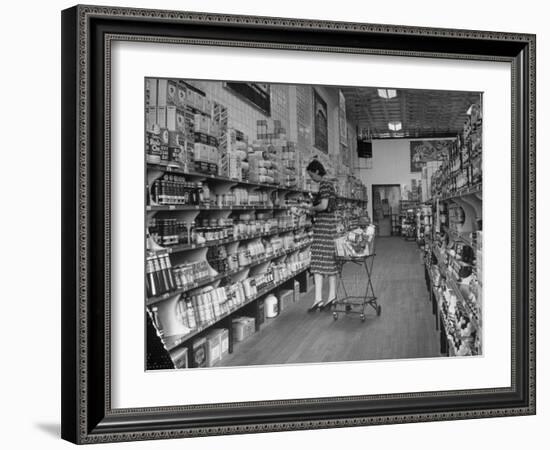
214	346
200	353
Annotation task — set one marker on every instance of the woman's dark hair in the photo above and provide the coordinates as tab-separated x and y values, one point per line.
317	167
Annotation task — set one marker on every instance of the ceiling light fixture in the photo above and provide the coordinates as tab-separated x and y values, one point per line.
387	93
394	126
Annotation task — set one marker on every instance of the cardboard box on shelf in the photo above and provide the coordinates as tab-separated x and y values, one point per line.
150	118
152	84
161	116
167	93
172	118
182	94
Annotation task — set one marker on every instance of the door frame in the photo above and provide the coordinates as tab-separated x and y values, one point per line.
373	188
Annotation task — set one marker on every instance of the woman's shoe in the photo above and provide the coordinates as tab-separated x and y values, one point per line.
327	304
315	306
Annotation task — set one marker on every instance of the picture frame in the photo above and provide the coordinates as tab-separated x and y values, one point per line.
426	150
87	35
320	121
255	94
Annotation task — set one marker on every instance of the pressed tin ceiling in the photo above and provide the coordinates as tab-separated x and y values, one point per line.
422	113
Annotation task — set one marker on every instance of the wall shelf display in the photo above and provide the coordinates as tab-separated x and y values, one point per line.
453	250
229	233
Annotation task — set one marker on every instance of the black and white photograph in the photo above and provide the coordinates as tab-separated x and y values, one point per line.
300	224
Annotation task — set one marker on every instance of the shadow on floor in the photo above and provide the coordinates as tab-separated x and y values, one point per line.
53	429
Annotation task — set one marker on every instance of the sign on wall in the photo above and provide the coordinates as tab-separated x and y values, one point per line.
257	94
342	119
430	150
320	122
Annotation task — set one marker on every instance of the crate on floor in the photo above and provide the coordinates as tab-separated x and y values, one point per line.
214	346
296	296
286	296
180	358
243	327
260	316
200	353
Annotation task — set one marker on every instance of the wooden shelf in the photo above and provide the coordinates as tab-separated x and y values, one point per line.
172	342
461	237
159	298
244	237
179	171
471	190
213	207
455	287
278	187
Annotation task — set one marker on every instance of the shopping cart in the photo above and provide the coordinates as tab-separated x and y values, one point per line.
355	304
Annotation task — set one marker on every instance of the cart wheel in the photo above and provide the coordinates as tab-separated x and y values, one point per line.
348	307
378	310
362	316
335	315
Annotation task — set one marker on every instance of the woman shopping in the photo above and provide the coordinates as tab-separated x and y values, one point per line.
323	260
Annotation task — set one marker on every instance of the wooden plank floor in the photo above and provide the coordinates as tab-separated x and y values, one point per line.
406	328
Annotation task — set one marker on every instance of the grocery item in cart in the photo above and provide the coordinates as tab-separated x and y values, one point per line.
356	243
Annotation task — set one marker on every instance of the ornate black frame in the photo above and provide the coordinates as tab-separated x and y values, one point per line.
87	32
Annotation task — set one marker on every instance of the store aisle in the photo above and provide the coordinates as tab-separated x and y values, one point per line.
406	328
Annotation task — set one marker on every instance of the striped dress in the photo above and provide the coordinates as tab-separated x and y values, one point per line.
324	232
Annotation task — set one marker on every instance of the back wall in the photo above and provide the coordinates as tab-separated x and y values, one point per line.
390	165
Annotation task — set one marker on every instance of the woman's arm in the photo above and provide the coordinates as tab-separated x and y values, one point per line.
321	206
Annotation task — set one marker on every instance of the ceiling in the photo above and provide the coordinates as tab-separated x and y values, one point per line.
422	113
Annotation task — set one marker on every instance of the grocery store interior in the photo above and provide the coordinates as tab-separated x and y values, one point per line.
292	224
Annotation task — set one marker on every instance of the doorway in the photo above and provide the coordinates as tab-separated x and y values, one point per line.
385	208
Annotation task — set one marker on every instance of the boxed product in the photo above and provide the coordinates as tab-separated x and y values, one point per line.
220	115
224	341
243	327
249	286
197	100
205	153
285	298
150	118
182	94
261	311
234	169
152	84
201	124
167	93
296	291
214	347
200	353
161	116
175	119
180	358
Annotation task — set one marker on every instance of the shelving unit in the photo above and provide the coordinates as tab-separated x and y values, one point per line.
456	204
207	207
173	342
210	280
407	216
219	184
225	210
214	243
